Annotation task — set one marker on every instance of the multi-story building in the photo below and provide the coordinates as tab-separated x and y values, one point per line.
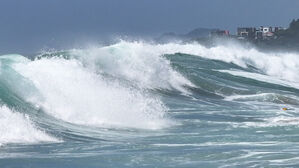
261	33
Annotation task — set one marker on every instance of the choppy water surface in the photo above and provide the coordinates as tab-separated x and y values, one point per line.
135	104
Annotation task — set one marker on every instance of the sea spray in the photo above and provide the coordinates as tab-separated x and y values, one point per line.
77	95
16	127
137	62
124	57
85	98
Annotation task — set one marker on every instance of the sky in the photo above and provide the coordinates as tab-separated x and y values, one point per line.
35	25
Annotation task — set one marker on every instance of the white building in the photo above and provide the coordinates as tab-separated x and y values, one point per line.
265	32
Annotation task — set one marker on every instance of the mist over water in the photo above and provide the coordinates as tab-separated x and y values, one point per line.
164	105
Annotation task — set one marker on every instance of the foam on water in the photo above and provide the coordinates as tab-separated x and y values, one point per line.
141	62
265	97
18	128
277	121
137	62
116	86
76	94
77	90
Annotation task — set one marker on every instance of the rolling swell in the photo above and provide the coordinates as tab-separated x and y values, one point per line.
130	85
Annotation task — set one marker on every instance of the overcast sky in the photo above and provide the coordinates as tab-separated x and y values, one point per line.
31	25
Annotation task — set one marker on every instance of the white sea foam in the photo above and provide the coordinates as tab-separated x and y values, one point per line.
77	91
268	143
266	97
139	61
248	97
76	94
278	121
18	128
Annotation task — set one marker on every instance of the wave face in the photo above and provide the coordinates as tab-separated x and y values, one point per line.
151	104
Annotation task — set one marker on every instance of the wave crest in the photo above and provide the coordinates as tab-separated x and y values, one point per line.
77	95
18	128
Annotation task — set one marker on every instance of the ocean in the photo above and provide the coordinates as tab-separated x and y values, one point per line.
140	104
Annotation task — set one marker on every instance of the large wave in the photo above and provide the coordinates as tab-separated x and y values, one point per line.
138	62
142	61
117	85
76	94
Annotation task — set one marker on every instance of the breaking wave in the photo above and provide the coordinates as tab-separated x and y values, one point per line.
77	95
123	85
18	128
139	59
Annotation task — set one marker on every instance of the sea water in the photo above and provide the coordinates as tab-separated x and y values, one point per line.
138	104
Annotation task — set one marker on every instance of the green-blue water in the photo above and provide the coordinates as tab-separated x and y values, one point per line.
135	104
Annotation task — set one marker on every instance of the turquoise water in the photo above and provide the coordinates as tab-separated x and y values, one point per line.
135	104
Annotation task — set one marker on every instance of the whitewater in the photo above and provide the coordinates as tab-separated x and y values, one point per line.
142	104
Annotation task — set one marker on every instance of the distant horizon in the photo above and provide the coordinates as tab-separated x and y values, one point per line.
29	26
